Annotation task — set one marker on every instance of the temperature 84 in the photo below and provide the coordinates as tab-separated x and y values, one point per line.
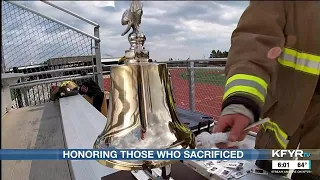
302	164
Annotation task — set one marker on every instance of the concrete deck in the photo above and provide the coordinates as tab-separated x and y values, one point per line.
37	127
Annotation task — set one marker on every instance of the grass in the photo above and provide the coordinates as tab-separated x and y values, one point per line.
206	77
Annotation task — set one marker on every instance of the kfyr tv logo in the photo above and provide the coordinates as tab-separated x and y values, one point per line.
290	153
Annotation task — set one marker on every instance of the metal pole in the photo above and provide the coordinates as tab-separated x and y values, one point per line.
71	13
24	92
191	86
39	82
57	70
3	67
197	60
18	92
98	59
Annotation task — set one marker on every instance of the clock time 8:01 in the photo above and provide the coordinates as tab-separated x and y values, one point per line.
283	164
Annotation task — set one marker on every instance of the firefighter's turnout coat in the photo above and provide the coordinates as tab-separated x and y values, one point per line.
285	89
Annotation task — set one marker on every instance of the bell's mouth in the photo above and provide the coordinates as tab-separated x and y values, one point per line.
124	166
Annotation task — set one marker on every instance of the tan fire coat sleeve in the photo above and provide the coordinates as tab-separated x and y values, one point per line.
249	71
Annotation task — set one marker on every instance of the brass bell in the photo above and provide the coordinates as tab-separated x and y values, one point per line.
141	113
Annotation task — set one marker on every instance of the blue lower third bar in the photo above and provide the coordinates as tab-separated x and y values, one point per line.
134	154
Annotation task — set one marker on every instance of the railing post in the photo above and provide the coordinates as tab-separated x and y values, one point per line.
98	58
3	68
191	86
24	93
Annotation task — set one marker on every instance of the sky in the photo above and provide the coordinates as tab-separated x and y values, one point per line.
174	29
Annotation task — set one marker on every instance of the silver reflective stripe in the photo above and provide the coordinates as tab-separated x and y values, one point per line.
301	61
243	82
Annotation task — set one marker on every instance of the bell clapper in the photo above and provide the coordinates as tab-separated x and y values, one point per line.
143	132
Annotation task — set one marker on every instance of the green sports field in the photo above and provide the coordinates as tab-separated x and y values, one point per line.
206	77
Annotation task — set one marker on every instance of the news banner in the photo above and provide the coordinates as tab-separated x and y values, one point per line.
281	159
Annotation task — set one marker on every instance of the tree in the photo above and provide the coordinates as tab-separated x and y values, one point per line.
225	54
218	54
213	54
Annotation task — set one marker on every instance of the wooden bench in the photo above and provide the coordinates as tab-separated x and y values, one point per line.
82	123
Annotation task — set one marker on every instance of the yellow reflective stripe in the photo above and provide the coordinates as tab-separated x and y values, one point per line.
282	143
281	136
248	84
244	89
310	57
299	67
248	77
279	130
300	61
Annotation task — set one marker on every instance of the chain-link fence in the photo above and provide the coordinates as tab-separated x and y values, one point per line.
208	89
46	51
207	84
198	85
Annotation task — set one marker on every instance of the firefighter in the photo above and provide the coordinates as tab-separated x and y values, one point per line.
273	71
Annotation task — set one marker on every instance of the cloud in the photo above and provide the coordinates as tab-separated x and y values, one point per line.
103	3
174	29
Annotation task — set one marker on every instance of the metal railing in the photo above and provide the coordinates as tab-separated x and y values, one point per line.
47	51
198	85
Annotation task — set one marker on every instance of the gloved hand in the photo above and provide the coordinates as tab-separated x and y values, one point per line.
237	123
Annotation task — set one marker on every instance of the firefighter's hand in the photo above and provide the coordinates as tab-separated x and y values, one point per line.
237	123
